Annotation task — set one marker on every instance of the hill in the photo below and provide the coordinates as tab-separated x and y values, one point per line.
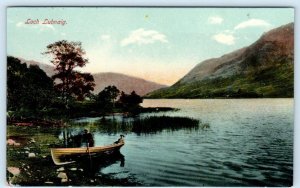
121	81
49	70
124	83
263	69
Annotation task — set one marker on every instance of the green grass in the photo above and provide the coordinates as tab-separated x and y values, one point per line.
155	124
145	125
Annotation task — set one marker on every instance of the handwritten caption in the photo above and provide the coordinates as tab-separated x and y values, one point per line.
46	21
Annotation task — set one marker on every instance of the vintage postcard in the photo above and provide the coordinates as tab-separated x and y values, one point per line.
150	96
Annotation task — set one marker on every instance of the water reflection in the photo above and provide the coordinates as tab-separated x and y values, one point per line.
94	163
87	169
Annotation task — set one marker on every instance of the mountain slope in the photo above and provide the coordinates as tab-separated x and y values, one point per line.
263	69
122	82
49	70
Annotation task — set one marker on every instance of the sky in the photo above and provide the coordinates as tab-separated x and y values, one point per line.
156	44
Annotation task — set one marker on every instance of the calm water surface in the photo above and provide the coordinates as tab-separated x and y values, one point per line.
249	143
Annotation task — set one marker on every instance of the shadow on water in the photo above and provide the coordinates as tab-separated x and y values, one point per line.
93	164
87	170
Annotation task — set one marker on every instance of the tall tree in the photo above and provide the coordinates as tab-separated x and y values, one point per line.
106	98
66	56
113	93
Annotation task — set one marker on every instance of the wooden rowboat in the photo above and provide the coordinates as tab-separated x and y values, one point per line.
59	153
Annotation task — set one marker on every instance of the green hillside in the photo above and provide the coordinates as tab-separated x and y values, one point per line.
270	82
263	69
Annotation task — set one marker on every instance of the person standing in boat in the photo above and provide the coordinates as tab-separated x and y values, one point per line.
87	139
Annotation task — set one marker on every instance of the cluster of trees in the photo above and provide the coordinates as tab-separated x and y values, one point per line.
29	89
130	102
111	98
31	93
107	98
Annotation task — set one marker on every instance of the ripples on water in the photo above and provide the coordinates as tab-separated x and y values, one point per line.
249	143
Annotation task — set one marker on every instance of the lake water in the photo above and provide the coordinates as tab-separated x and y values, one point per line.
249	143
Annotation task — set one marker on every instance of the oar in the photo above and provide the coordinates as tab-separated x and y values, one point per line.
88	150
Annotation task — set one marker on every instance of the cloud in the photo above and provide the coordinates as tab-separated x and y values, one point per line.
142	36
20	24
227	37
252	23
215	20
105	37
224	38
46	26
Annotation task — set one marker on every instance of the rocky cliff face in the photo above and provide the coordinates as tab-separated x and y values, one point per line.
273	46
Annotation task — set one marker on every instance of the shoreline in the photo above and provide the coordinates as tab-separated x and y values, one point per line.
61	122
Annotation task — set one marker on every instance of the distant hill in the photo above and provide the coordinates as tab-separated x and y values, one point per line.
263	69
121	81
49	70
125	83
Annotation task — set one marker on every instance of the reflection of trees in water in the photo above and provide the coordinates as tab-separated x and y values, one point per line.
114	126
